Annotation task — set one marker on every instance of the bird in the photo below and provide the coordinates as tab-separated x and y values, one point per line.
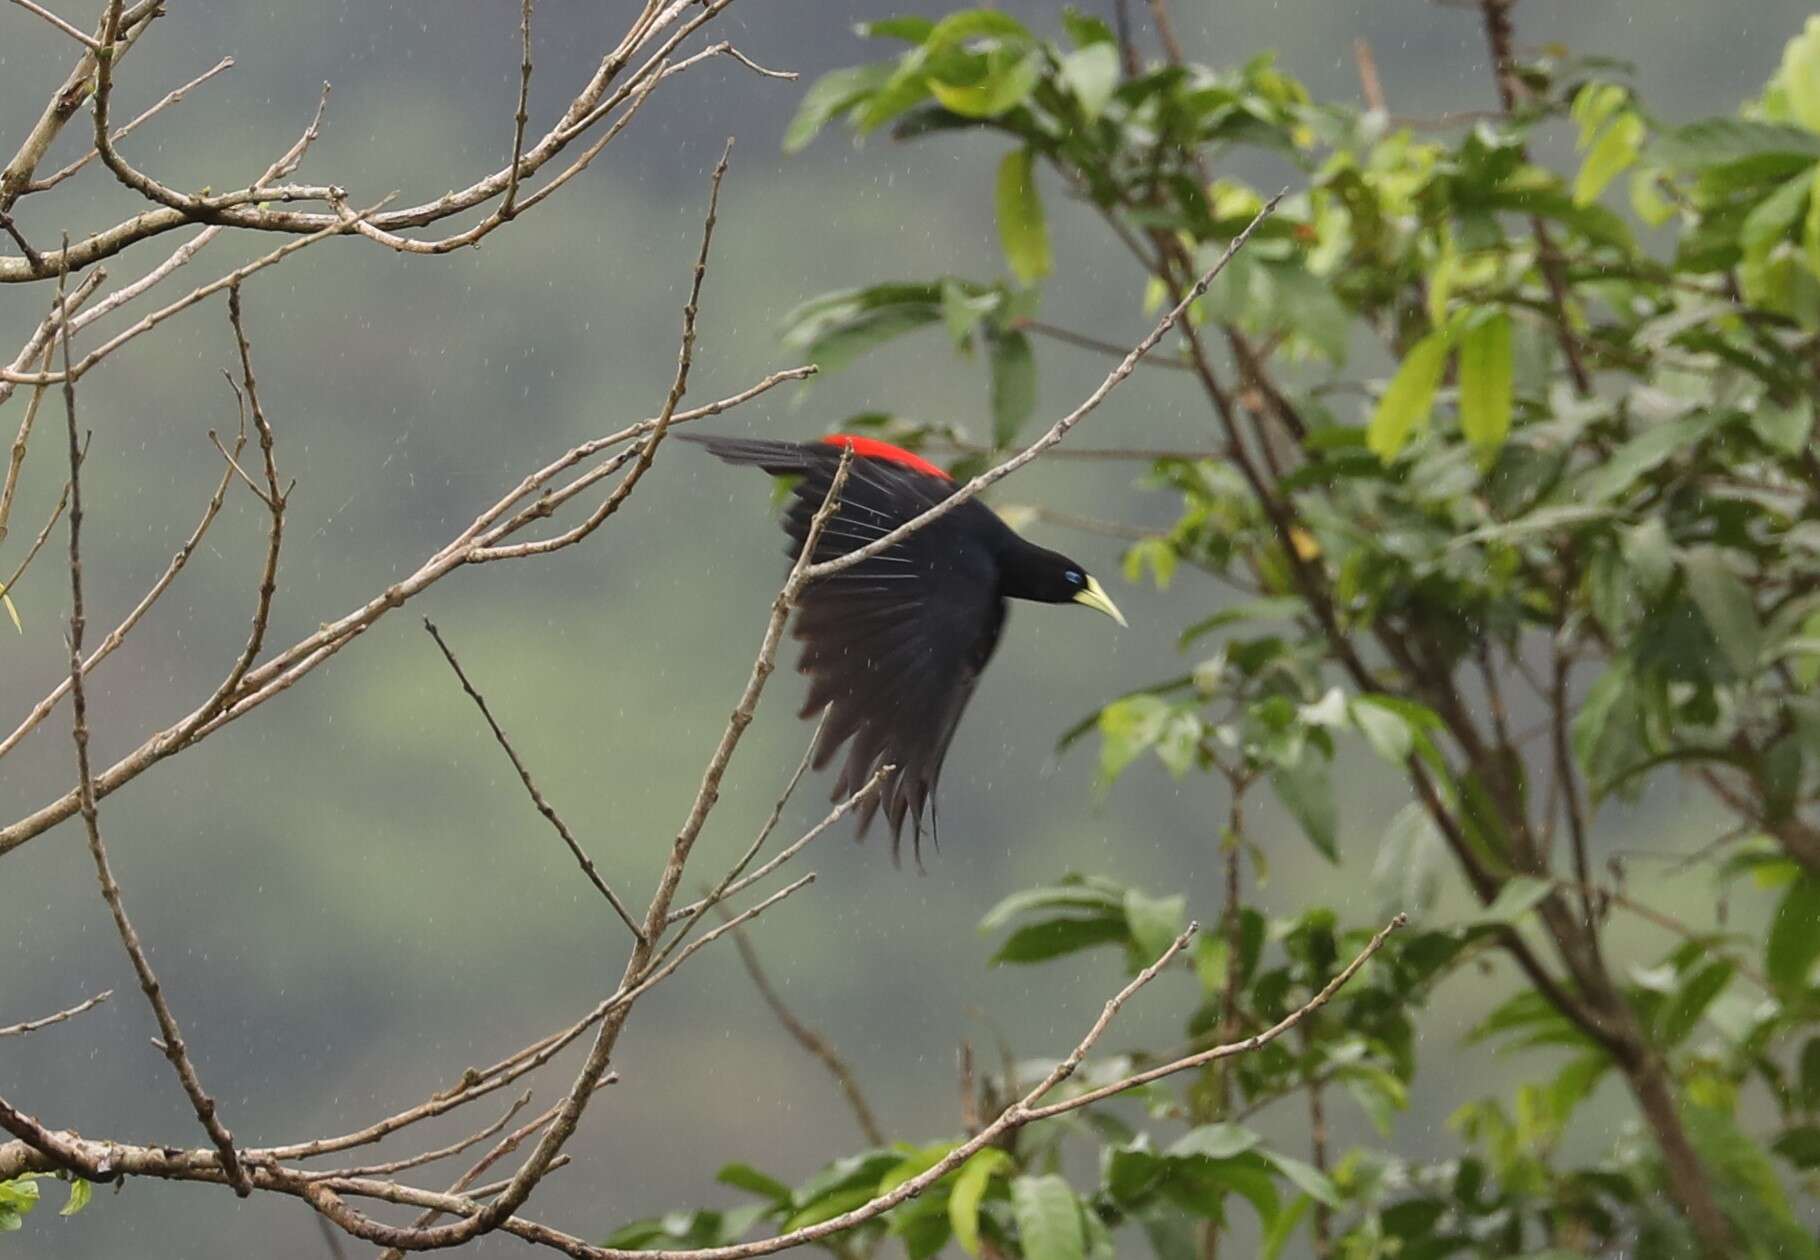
894	646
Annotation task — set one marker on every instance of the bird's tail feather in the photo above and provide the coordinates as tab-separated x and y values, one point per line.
776	458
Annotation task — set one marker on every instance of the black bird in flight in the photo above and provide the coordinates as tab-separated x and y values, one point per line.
894	646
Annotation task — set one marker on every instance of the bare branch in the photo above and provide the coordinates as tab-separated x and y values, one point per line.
118	634
173	1045
431	1157
537	797
519	119
170	98
1060	429
283	671
64	103
813	1042
80	36
679	385
33	1025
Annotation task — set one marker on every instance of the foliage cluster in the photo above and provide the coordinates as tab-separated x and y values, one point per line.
1565	547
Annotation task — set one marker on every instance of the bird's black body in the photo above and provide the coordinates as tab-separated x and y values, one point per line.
894	646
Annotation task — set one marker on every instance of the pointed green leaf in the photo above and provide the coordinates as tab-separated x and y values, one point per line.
1154	921
1486	368
1214	1141
1021	228
1048	1219
1013	386
1616	150
1519	895
1800	75
1306	790
11	611
1726	605
1092	73
1794	936
1404	408
969	1189
833	93
1039	942
747	1178
1310	1180
80	1193
1006	84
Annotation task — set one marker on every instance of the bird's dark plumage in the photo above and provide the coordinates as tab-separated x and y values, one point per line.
894	646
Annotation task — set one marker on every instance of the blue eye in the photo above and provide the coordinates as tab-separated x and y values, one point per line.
1076	578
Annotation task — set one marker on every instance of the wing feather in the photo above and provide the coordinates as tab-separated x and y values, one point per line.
893	647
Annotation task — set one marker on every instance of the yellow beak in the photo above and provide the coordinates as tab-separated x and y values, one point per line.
1094	596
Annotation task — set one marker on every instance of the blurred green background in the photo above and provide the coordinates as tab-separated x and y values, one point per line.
348	896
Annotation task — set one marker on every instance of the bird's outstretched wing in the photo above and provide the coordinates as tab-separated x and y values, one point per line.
893	646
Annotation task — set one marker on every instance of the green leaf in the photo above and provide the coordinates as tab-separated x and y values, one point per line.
1074	893
1306	790
1486	369
1052	938
1593	106
1638	456
1384	729
1022	232
19	1195
1085	29
1048	1219
80	1193
1800	75
1405	875
1081	895
1310	1180
1800	1146
1127	728
1810	229
914	30
11	611
1283	1227
1406	402
1214	1141
1726	605
969	1189
1013	385
1271	608
833	93
1519	895
1154	922
1794	936
1682	1012
1005	85
1092	74
745	1177
1787	429
1616	150
1720	141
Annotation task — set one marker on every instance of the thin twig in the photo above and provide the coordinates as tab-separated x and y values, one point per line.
1060	429
170	98
431	1157
731	886
678	387
522	116
537	797
80	36
33	1025
6	587
172	1045
817	1045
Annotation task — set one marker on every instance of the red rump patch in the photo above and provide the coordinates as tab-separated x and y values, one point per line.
872	448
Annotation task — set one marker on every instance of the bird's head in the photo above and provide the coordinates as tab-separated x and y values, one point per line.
1048	577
